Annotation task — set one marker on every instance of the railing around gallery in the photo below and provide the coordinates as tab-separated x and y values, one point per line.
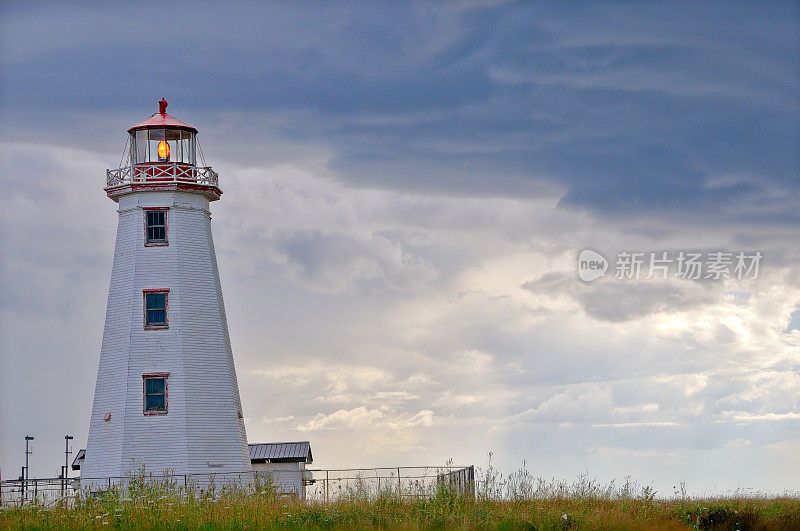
162	172
316	485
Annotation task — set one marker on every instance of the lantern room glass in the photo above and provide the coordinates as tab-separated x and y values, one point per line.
144	146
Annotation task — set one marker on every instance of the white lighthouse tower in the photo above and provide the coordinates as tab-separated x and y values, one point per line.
166	394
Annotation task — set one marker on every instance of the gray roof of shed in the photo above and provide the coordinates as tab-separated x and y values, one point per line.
284	452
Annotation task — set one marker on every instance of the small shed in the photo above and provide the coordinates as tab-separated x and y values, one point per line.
284	464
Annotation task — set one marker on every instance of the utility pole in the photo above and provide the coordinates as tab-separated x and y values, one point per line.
28	451
67	453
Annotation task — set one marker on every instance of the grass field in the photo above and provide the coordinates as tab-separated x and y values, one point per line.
518	501
389	512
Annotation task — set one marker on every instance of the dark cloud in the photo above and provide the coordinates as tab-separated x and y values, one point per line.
619	301
630	111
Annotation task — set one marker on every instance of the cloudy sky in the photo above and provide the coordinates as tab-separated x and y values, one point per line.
406	191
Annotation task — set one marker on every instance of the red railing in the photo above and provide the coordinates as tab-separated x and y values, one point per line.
162	172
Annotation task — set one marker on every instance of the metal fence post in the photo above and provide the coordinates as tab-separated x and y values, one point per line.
471	486
327	481
399	485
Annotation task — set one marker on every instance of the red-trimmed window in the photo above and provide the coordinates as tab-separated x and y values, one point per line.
156	303
155	393
155	227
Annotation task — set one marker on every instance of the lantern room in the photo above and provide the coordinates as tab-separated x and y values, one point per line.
162	138
162	156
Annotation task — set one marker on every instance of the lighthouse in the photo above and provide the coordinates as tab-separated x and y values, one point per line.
166	396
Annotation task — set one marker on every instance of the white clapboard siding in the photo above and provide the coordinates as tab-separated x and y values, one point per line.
287	478
202	432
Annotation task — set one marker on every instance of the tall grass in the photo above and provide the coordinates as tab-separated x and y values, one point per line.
516	501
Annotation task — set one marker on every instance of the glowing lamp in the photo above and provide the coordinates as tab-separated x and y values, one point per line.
163	150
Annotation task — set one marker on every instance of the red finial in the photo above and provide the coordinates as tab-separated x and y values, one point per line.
162	106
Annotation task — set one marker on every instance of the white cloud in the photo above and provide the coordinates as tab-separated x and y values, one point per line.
361	417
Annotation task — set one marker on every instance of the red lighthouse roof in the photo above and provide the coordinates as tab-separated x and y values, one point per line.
162	119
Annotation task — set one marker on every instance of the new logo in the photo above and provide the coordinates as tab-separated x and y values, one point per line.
591	265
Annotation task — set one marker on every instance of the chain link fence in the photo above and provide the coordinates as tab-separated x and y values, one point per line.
316	485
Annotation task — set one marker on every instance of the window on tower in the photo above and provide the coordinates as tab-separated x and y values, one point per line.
154	388
155	308
155	221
